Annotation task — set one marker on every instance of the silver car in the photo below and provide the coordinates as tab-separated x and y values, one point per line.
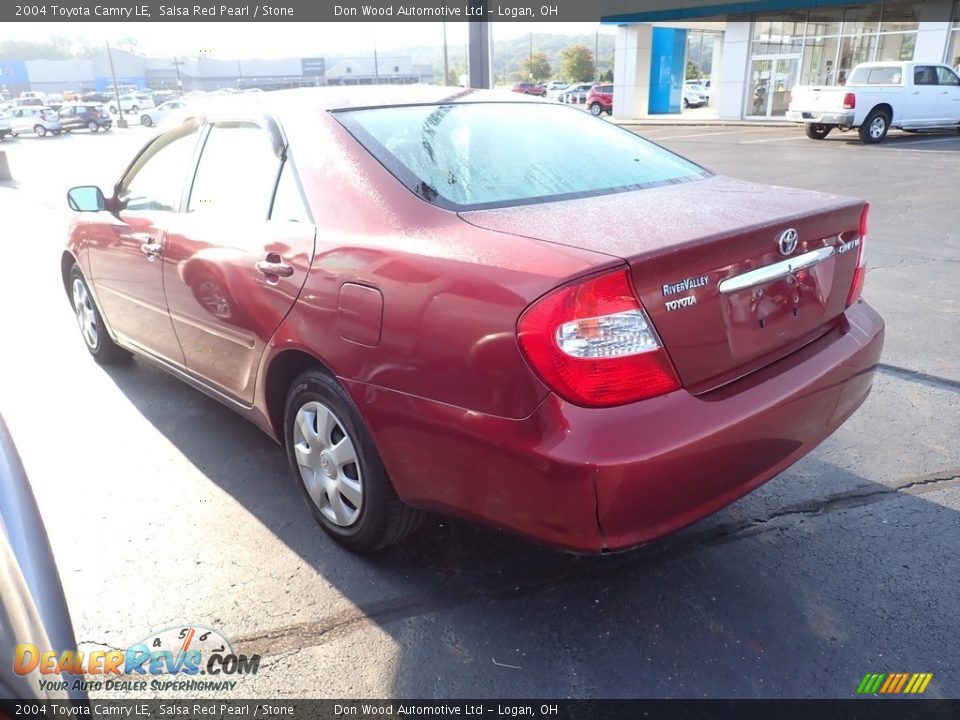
39	120
576	95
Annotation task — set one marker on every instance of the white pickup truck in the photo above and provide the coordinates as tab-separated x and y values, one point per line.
878	96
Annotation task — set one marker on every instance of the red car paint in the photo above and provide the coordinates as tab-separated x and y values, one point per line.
416	309
600	99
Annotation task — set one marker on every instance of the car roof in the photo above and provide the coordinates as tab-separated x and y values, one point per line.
362	96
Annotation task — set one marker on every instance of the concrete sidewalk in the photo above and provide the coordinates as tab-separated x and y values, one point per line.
675	121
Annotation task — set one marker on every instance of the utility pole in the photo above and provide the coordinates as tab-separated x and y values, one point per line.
596	57
177	63
446	59
376	63
121	121
530	66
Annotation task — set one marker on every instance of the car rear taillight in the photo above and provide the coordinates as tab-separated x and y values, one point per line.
593	344
856	287
849	101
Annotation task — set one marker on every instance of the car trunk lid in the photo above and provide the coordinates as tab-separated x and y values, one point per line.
706	261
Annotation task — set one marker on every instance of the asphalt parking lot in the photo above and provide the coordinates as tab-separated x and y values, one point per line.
165	509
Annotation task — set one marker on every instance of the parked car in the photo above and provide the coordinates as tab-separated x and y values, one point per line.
132	103
568	353
527	88
32	603
74	116
4	125
97	97
576	95
879	96
149	118
557	85
600	99
38	120
693	97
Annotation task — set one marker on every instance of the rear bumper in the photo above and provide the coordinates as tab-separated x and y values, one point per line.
589	480
821	118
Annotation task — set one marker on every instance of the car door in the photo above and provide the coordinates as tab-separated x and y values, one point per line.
948	99
922	97
239	255
68	117
125	248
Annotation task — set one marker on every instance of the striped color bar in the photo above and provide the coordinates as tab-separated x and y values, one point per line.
894	683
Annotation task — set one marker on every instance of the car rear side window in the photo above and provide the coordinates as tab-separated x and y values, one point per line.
474	155
237	172
288	205
876	76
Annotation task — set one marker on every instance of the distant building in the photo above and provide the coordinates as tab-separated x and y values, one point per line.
94	73
389	69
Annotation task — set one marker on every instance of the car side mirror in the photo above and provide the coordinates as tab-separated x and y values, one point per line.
86	198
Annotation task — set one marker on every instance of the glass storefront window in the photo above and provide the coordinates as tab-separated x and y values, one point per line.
819	56
953	54
897	46
900	16
862	19
853	51
824	22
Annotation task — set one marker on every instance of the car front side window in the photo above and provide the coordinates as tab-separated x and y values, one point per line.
947	76
155	182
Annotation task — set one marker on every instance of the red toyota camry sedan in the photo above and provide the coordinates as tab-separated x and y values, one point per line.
430	308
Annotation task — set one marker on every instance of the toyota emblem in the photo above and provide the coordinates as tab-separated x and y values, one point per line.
787	242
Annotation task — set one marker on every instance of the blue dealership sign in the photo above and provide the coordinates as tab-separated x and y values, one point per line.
13	72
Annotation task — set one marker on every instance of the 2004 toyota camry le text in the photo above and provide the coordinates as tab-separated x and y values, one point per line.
432	309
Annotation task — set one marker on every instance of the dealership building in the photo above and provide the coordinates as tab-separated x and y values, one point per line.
202	73
762	48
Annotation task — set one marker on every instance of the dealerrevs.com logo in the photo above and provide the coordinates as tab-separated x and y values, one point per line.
183	653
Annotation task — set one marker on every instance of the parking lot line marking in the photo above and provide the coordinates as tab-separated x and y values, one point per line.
911	142
774	139
706	134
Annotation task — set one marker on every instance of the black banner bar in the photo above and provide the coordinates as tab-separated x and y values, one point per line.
868	708
607	11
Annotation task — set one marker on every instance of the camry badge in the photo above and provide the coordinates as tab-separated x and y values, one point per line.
787	242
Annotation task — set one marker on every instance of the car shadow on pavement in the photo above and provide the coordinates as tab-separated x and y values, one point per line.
768	598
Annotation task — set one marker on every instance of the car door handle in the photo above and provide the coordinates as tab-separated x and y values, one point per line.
273	265
151	249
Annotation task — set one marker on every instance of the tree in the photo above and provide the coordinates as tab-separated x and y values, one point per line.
536	66
607	76
693	72
578	63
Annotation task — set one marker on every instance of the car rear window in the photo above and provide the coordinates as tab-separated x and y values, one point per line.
876	76
476	155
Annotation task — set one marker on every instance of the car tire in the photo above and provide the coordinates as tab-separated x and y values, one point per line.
686	103
113	110
596	109
92	329
134	109
874	128
345	486
146	121
817	131
92	126
40	130
56	132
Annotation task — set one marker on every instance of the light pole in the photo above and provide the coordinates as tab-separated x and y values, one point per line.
530	60
446	60
121	121
596	57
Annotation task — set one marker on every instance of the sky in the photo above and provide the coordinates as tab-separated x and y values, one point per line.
275	40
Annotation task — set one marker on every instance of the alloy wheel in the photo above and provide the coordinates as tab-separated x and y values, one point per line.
878	127
86	317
